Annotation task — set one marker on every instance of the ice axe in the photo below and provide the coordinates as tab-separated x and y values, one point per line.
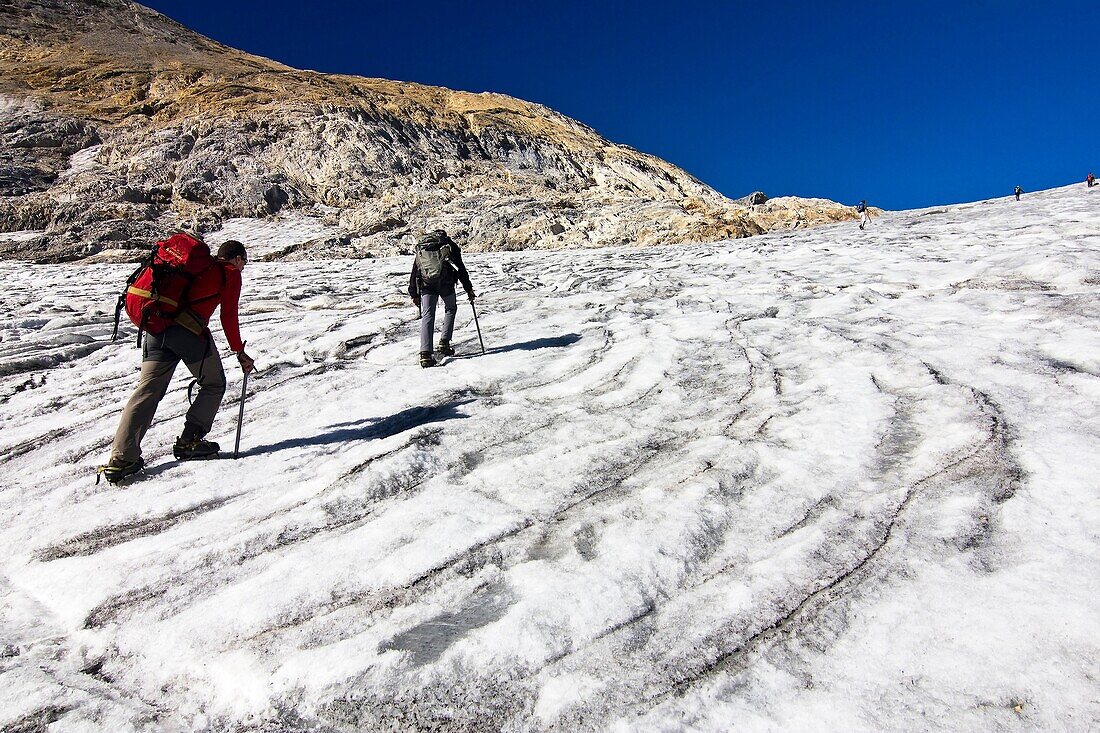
477	325
240	417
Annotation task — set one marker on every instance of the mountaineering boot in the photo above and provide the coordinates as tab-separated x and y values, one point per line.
189	449
445	348
426	359
118	470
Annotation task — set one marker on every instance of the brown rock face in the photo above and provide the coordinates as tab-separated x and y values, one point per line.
117	124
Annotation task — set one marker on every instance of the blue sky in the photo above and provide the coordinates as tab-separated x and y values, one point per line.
904	104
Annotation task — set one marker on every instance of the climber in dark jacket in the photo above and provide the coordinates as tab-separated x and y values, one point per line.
436	267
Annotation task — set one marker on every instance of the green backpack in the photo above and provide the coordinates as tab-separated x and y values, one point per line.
433	259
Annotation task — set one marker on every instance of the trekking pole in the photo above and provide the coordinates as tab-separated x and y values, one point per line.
240	417
477	325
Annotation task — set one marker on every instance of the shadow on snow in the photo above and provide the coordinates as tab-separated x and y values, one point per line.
371	428
551	342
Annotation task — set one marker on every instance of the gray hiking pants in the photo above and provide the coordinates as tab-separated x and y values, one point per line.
160	355
427	318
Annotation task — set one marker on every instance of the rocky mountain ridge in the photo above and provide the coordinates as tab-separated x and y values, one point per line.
118	124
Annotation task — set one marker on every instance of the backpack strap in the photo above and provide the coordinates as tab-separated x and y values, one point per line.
118	313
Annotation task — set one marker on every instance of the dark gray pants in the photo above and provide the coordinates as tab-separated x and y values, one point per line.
427	318
160	355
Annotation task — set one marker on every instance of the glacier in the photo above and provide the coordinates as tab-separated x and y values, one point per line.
823	479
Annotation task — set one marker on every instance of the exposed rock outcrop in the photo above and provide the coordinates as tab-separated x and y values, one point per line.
754	199
117	123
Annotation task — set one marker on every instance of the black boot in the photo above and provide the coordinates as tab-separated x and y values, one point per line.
445	348
118	470
189	449
426	359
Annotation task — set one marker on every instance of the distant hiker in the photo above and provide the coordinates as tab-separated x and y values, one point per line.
1090	180
436	267
1018	191
864	217
184	337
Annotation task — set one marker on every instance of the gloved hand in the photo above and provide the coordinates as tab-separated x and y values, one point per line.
470	294
416	301
246	362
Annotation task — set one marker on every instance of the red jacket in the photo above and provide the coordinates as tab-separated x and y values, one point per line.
219	285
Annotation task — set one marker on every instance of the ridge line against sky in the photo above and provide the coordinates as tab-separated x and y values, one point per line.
909	106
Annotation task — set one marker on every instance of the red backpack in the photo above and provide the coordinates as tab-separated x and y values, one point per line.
158	292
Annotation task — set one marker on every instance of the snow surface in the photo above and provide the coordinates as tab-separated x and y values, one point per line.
819	480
